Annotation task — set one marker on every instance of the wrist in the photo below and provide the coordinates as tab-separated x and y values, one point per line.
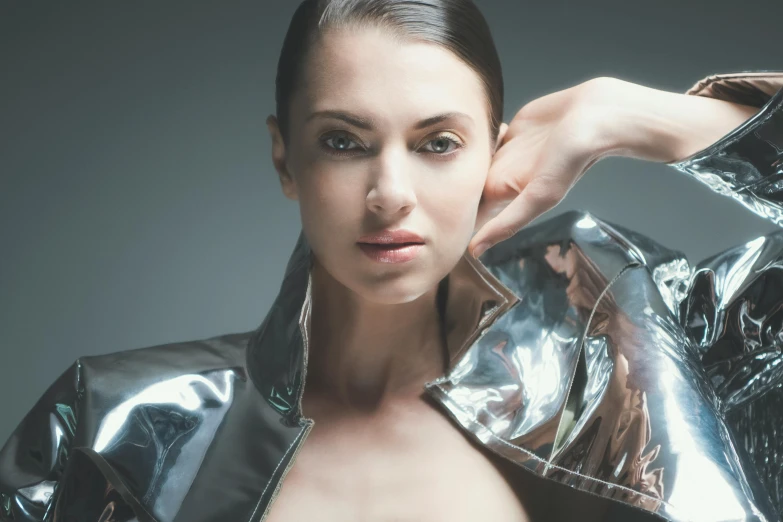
662	126
641	122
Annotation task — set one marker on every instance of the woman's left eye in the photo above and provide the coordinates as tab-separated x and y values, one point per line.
442	144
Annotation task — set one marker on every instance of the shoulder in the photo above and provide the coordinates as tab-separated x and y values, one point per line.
166	359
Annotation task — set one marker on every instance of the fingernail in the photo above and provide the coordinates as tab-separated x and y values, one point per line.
480	249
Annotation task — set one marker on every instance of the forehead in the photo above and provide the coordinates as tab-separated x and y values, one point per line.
389	78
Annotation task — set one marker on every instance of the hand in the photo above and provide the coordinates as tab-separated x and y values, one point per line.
548	146
553	140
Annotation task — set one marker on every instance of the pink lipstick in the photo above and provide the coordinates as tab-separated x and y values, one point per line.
391	246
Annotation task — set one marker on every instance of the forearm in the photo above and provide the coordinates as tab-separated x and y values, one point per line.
663	126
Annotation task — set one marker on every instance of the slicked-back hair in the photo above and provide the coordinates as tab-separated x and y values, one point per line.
456	25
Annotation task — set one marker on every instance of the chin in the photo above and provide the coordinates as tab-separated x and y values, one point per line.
397	290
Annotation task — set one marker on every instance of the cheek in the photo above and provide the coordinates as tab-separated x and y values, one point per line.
330	204
454	203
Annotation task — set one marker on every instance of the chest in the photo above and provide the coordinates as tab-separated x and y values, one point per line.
410	465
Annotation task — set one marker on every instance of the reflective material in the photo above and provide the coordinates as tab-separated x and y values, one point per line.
733	306
596	383
757	184
170	432
748	88
584	352
734	314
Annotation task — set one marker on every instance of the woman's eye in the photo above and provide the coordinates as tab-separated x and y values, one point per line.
340	143
441	145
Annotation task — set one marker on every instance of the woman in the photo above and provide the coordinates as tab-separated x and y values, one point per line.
421	402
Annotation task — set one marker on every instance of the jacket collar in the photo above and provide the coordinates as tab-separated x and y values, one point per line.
278	349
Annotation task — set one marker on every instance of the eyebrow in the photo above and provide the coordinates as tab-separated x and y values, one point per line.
368	123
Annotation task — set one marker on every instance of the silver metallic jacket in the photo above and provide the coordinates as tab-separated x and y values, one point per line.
580	350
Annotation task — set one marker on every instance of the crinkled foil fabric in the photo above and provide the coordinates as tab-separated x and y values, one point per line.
625	372
629	373
733	307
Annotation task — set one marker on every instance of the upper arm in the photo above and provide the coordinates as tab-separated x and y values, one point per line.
34	457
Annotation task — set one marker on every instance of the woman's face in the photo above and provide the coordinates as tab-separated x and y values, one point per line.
377	167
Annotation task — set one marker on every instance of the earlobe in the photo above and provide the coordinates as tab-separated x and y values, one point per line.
501	135
287	182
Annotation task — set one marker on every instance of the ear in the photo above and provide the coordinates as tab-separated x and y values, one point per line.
279	159
501	134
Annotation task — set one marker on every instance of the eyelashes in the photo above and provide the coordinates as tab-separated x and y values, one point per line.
346	137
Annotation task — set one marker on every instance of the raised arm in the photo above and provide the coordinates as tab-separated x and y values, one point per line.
726	131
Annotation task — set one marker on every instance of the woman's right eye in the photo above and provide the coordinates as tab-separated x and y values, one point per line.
340	144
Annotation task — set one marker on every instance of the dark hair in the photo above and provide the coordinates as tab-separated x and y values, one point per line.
456	25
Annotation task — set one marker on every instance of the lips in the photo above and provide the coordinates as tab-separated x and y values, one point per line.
391	246
391	252
392	237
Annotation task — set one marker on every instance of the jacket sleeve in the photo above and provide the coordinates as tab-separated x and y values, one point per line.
34	457
747	163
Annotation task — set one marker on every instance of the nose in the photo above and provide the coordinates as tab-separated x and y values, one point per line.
391	190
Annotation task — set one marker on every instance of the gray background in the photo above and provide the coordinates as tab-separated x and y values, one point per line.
138	202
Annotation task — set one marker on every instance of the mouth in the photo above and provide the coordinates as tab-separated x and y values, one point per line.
392	245
391	252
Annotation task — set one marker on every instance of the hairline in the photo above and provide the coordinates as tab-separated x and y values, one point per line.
326	25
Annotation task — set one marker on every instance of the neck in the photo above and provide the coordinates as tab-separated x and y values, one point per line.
365	354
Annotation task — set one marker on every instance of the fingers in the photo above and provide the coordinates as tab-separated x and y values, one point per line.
544	151
512	167
499	185
533	201
507	202
549	185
